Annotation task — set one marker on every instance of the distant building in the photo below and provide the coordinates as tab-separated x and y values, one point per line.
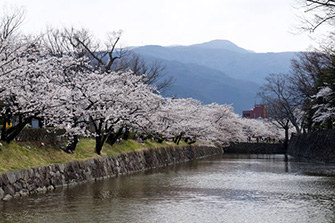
259	111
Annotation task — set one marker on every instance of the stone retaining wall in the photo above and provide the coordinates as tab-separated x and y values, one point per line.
21	183
255	148
319	146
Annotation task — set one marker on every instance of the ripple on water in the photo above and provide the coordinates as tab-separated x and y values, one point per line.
234	189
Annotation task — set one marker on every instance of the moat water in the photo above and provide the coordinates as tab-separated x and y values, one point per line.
225	188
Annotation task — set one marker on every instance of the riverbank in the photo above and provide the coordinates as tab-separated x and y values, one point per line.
255	148
14	184
42	153
316	146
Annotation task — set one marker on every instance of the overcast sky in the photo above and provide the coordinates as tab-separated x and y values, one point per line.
259	25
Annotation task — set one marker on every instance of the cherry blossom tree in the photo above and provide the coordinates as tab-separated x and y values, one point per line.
22	74
184	118
227	124
29	86
192	121
325	106
100	104
262	128
121	100
179	118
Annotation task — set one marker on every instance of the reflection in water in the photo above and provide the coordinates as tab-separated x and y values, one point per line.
232	188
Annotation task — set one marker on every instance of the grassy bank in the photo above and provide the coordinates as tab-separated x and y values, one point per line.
16	156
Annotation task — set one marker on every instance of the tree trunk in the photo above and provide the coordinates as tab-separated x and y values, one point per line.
330	123
3	131
98	144
72	144
6	119
159	139
10	133
189	141
286	139
178	138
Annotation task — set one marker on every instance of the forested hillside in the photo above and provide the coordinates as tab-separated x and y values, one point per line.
217	71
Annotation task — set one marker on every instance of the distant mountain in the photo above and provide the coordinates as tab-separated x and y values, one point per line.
245	65
209	85
217	71
222	45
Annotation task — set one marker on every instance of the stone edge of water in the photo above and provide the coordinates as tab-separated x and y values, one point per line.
22	183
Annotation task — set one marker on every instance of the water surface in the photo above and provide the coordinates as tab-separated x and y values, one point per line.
228	188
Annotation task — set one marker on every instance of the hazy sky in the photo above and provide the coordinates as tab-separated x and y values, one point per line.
259	25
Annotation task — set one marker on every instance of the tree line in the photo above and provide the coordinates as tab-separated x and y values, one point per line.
68	80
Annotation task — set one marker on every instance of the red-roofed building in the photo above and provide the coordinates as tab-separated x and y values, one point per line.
259	111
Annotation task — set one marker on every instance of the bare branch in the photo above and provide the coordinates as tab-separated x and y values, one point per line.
319	12
11	22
